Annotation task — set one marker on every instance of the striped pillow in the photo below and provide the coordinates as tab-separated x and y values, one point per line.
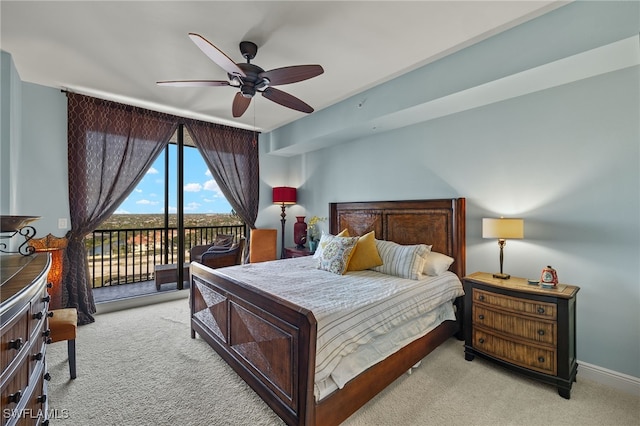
402	261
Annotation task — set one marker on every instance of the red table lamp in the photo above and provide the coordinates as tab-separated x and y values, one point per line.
283	195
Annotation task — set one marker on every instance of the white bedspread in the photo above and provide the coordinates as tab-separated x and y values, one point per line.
354	309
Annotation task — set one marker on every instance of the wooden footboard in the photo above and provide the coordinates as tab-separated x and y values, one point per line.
269	342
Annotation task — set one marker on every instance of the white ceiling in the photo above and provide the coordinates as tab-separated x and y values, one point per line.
118	50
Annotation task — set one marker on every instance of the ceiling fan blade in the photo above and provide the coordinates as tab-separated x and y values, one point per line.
291	74
240	105
193	83
216	55
285	99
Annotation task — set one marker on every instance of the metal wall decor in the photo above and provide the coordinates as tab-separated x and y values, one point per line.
10	226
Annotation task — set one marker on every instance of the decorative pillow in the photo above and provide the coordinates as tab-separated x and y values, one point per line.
223	241
324	239
402	261
336	254
365	255
217	249
436	263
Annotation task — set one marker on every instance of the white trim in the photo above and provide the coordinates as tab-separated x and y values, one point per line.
135	302
619	381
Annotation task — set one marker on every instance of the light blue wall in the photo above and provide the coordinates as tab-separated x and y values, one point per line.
566	159
43	152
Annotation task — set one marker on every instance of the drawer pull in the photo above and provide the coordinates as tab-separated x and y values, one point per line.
540	310
481	340
481	298
42	399
46	333
540	359
47	376
50	314
38	316
15	397
481	316
541	332
46	299
16	344
48	341
38	356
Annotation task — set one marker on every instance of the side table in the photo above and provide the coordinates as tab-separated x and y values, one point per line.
527	328
290	252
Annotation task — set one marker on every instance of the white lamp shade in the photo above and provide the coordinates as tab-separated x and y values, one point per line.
502	228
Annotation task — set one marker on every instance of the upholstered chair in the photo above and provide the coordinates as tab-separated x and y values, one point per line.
263	245
218	256
63	324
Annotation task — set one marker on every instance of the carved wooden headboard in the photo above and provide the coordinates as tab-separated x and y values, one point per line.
440	223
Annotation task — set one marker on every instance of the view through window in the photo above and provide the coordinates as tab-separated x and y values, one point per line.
134	239
202	194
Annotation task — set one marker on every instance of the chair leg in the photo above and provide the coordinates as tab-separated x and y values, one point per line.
71	350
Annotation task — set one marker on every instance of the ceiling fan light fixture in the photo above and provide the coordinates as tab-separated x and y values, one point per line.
247	91
263	84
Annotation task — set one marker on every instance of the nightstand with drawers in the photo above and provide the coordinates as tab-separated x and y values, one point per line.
290	252
524	327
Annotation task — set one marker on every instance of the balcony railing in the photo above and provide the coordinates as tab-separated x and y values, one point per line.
126	256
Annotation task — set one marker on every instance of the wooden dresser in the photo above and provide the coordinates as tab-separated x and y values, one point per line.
527	328
23	335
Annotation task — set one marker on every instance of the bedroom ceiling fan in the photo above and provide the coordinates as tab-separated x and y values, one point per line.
250	78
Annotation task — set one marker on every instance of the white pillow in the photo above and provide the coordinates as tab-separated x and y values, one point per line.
324	240
402	261
436	263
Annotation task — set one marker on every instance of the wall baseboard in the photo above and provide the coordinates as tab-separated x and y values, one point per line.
613	379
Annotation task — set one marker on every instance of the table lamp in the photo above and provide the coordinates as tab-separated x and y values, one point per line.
56	246
283	195
502	229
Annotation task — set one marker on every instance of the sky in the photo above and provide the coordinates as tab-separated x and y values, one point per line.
201	192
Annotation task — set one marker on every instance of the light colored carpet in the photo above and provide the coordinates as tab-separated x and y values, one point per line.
141	367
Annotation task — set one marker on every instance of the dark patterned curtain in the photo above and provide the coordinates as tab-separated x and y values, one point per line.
110	148
232	157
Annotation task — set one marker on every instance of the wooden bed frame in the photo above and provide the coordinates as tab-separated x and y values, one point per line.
271	343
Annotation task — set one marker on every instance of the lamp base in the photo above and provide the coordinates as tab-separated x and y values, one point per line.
501	276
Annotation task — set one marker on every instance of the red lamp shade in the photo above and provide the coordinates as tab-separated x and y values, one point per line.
284	195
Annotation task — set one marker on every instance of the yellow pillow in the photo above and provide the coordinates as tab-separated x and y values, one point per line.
344	233
366	255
